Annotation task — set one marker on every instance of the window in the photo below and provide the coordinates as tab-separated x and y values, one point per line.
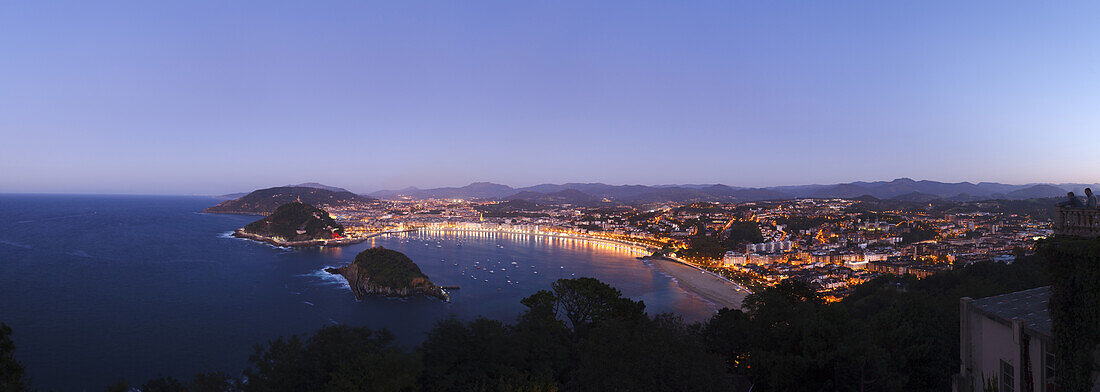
1007	377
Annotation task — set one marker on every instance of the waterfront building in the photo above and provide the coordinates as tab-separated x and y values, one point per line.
732	258
768	247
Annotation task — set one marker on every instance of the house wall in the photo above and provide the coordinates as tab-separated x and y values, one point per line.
986	341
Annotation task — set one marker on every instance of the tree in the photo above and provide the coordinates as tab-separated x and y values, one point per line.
659	354
584	301
163	384
335	358
469	357
11	372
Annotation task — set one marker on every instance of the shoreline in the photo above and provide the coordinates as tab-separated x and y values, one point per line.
715	289
239	233
695	281
639	248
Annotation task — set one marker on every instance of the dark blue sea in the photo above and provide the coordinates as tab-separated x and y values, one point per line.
99	288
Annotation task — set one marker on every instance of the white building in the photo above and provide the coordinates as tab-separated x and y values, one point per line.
1005	339
734	258
856	264
768	247
875	256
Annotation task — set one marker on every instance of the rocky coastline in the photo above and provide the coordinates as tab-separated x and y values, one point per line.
380	271
362	286
240	233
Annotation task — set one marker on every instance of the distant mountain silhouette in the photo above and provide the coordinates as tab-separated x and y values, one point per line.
603	191
477	190
917	197
901	189
566	196
1037	191
320	186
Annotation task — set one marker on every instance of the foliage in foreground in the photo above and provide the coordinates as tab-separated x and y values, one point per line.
891	334
11	372
1074	265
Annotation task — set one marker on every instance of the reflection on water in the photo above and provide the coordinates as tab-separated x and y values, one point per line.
537	239
149	276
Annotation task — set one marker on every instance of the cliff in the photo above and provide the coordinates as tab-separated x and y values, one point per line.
387	272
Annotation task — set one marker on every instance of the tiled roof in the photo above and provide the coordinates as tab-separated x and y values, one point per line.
1028	306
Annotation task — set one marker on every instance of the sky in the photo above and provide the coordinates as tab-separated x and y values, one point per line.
153	97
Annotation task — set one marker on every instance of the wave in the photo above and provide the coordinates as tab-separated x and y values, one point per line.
308	303
324	278
229	235
15	244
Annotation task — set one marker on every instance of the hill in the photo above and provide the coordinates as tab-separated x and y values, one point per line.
295	222
1037	191
386	272
919	197
904	188
477	190
567	196
265	201
320	186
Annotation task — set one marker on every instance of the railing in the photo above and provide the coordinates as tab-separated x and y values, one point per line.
1077	222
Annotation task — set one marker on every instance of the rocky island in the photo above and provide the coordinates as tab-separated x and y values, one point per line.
296	224
387	272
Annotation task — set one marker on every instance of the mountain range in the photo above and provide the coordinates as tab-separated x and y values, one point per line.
902	189
587	193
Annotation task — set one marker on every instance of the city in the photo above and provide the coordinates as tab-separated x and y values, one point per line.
565	196
830	243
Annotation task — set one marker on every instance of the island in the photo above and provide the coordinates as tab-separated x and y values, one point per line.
296	224
387	272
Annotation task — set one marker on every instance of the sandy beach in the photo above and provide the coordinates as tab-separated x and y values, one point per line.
705	285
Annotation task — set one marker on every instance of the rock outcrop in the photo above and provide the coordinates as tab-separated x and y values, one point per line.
381	271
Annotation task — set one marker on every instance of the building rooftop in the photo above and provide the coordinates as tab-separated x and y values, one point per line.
1028	306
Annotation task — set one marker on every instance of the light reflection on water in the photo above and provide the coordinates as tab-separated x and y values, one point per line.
147	286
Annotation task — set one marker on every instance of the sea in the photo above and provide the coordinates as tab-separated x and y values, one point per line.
99	288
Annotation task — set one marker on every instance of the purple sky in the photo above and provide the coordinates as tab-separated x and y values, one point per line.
203	98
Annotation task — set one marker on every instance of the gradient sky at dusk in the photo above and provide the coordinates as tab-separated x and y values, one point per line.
217	97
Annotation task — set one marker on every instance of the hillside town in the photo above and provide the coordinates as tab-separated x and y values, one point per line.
833	244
